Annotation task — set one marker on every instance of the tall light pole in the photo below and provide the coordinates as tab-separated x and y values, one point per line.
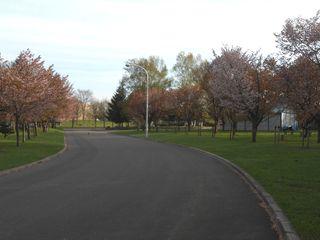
147	102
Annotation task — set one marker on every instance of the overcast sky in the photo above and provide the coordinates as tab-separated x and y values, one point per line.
91	40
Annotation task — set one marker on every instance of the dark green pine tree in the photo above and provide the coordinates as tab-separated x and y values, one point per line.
117	108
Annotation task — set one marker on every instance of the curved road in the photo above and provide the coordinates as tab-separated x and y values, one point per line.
120	188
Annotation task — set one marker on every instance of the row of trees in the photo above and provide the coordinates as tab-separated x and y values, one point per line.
84	106
31	94
235	85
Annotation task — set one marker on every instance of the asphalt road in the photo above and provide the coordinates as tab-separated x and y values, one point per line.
120	188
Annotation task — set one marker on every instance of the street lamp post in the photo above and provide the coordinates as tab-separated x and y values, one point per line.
147	102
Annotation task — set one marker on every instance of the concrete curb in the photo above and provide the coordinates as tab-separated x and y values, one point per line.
281	223
28	165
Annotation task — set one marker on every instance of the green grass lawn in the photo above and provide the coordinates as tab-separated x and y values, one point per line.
43	145
85	124
288	172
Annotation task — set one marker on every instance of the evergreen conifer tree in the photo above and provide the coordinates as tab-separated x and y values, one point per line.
117	108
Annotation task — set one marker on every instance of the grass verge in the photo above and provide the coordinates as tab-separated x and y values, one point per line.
45	144
288	172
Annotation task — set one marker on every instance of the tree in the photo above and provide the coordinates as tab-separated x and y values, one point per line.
3	69
214	107
243	84
84	97
20	89
56	98
301	91
229	71
99	111
117	109
30	92
94	106
157	105
103	111
263	97
186	69
73	110
136	78
190	103
300	37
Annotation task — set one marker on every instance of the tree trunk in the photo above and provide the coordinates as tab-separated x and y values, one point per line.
104	123
189	126
72	124
198	124
254	132
233	130
35	129
95	123
23	132
214	129
308	137
303	136
43	127
318	131
28	131
279	134
17	131
156	126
